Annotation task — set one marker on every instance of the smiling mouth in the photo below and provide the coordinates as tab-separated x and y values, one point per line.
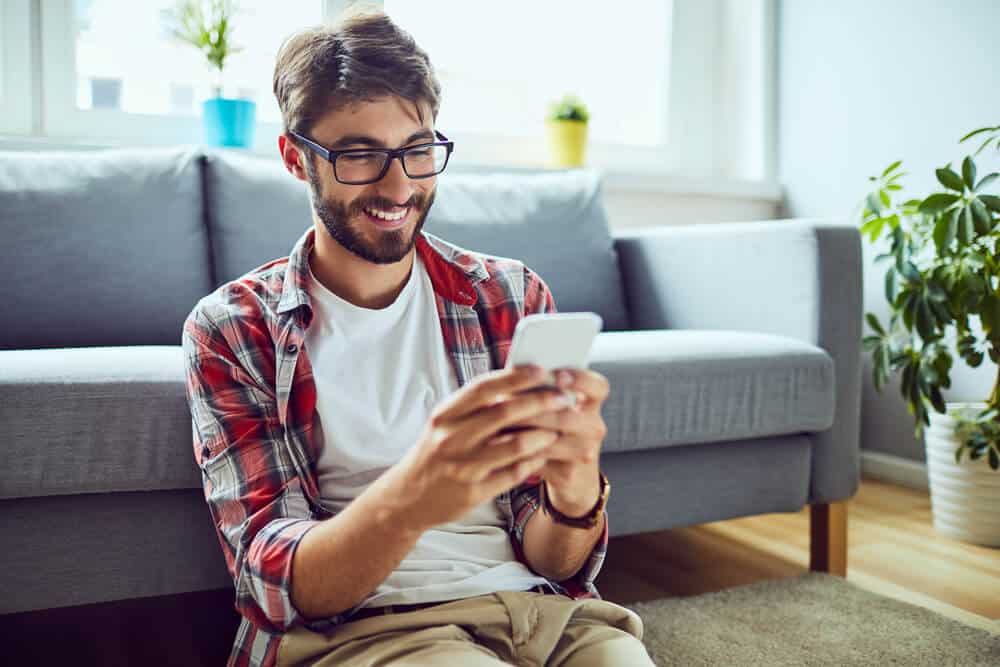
388	220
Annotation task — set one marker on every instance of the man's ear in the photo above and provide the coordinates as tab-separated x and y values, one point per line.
292	157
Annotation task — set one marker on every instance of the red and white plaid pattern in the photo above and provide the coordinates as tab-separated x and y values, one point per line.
252	398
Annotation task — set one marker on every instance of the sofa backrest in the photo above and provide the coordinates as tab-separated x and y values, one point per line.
100	247
115	247
555	222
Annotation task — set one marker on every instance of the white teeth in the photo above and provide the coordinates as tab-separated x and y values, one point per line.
387	216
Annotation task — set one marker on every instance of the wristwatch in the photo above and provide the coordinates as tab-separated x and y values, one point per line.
588	520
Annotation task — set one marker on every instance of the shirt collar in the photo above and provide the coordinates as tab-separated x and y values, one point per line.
453	270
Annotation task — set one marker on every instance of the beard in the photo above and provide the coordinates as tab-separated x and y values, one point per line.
388	247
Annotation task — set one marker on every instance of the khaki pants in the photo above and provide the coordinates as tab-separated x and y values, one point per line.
519	628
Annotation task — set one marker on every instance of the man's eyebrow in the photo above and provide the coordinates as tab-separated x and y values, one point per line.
353	139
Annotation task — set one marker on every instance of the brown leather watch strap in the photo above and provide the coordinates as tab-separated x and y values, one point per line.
588	520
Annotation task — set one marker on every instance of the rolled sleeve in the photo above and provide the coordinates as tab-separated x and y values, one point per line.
253	492
524	503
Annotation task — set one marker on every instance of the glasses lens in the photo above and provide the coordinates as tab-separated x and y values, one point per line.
425	160
359	167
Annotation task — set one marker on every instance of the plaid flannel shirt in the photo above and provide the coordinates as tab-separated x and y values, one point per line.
252	397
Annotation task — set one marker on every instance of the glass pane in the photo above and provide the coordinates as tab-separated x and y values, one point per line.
125	58
501	63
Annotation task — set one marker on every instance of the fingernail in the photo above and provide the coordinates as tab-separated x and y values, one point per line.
568	399
564	378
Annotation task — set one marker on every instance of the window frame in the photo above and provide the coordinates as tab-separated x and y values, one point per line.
703	57
17	93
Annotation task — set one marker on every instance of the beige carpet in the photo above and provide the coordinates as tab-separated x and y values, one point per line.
811	619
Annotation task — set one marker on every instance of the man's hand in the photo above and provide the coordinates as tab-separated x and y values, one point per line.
571	470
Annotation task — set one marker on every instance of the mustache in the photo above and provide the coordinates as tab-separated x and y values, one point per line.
416	201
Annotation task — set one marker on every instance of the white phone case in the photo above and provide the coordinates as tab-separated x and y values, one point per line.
554	340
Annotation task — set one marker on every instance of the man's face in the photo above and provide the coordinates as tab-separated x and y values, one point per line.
345	210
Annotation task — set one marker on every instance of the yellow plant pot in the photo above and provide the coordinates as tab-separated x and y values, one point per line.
567	142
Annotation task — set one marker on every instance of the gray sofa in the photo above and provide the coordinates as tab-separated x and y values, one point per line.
733	353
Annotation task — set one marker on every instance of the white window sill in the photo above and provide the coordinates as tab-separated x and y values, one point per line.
662	182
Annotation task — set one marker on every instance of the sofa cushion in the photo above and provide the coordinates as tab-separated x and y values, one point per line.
91	420
116	419
256	211
682	387
105	247
553	222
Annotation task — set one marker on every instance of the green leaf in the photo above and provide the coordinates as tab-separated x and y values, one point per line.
950	179
992	202
890	285
873	228
884	197
925	319
944	233
986	180
966	230
891	168
937	203
979	131
969	172
985	144
936	292
907	309
910	272
873	203
982	217
874	323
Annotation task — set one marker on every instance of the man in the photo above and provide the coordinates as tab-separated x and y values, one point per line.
373	482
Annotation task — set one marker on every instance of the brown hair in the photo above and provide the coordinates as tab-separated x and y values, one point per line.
361	57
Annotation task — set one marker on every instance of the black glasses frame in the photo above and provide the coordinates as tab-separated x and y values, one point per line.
391	154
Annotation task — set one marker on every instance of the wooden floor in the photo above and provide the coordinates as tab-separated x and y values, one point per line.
893	550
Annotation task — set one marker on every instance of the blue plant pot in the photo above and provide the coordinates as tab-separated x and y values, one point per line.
229	122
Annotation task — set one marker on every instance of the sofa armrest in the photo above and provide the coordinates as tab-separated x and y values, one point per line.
797	278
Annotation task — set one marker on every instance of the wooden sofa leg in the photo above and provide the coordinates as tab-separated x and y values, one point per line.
828	538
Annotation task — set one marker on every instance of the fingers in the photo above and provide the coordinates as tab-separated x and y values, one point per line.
510	476
472	431
503	451
573	449
592	384
487	389
571	422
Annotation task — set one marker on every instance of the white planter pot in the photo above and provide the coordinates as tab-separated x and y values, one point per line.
965	495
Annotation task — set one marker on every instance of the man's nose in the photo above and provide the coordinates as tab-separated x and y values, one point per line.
395	186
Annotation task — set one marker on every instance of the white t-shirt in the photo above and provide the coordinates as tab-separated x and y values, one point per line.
379	374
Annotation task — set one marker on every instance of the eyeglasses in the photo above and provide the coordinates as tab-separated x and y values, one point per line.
360	166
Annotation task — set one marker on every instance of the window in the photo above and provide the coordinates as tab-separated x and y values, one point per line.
16	95
113	73
500	64
674	87
167	77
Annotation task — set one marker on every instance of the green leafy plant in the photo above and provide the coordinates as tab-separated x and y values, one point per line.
570	107
946	269
206	25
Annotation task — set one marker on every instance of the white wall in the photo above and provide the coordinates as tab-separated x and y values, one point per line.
862	84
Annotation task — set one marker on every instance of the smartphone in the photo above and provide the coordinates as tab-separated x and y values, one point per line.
554	340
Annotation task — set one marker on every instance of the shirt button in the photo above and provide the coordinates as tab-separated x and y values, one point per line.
291	348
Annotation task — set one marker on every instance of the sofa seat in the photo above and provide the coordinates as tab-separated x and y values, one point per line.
683	387
104	419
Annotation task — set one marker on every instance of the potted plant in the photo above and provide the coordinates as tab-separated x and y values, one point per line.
207	25
945	271
567	131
